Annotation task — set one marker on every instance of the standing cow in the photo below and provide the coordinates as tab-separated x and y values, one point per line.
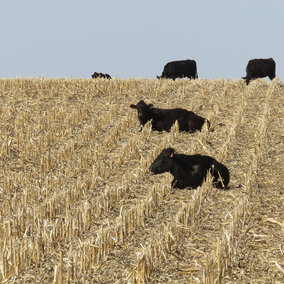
190	170
163	119
100	75
180	69
260	68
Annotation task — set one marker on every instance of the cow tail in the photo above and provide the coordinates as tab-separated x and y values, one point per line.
196	75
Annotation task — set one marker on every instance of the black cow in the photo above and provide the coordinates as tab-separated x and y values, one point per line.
260	68
100	75
180	69
163	119
190	170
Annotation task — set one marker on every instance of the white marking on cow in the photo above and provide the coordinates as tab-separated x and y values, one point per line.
195	170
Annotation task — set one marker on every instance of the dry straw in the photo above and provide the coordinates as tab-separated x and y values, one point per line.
75	188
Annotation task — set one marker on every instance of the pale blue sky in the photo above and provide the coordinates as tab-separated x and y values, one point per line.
128	38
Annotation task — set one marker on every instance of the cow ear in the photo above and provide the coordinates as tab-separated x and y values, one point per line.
133	106
150	106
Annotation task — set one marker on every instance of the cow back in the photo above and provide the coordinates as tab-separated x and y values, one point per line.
180	69
259	68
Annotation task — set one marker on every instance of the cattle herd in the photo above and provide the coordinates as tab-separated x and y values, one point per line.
189	171
256	68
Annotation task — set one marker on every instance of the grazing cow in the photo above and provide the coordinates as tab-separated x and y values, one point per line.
100	75
190	170
163	119
180	69
260	68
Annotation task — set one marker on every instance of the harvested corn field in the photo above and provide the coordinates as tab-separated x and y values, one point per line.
79	205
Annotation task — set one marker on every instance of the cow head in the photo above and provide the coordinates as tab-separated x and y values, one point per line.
144	112
164	161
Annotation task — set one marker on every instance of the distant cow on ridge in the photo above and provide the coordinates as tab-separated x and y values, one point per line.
100	75
190	170
260	68
180	69
163	119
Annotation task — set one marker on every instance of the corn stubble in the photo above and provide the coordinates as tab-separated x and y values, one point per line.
77	199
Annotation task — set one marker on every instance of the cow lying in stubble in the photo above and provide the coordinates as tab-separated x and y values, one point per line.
260	68
190	170
163	119
100	75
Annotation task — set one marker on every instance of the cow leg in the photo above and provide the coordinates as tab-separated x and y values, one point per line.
271	76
